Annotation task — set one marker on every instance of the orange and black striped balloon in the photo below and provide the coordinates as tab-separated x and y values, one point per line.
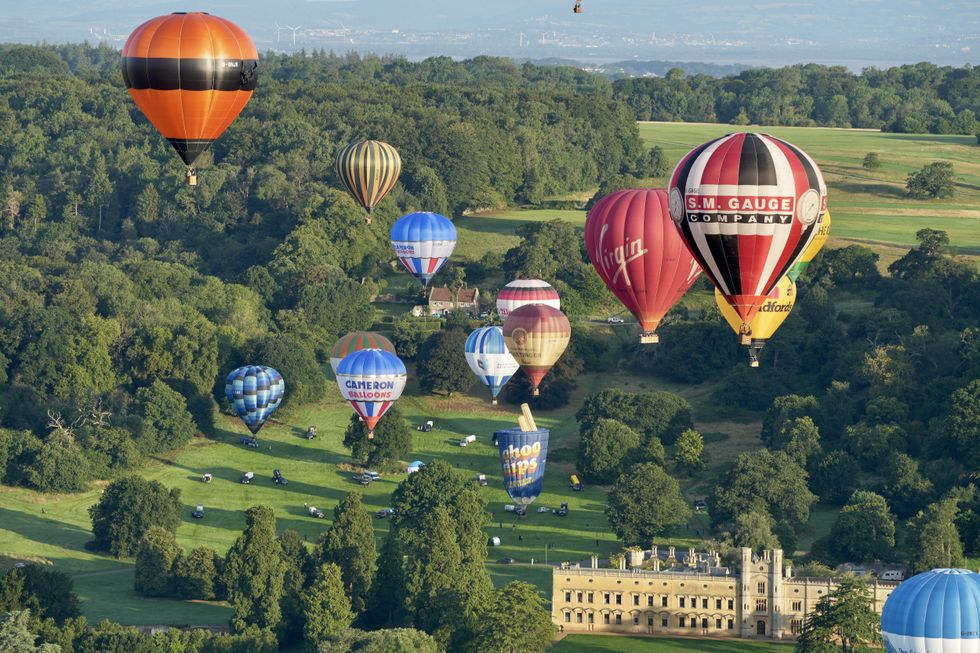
191	74
369	170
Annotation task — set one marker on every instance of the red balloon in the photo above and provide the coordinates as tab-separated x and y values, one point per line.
638	253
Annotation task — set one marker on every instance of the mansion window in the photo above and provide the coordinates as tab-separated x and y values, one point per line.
568	597
636	620
663	620
605	618
681	600
762	588
636	599
731	604
579	597
568	617
718	624
718	605
760	605
704	622
590	597
591	618
649	621
650	600
694	622
619	618
797	626
704	603
578	617
797	606
663	601
605	598
619	599
731	624
680	621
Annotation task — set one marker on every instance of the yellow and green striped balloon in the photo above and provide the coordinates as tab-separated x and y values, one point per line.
369	170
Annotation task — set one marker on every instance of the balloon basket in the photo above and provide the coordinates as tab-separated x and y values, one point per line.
370	435
535	393
753	364
191	177
745	339
493	402
649	338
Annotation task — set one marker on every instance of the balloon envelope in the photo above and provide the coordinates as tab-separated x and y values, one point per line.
489	358
634	247
371	380
369	170
522	460
423	242
768	318
525	291
355	341
537	336
190	74
747	205
810	253
934	612
255	392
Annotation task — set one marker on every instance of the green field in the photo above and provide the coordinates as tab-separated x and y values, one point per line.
606	643
868	206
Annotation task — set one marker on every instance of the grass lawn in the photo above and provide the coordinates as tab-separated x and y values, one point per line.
868	206
620	644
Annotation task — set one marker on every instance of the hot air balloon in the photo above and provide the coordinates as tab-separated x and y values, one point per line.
769	317
537	336
525	291
369	170
190	74
747	205
255	392
371	380
634	247
355	341
810	253
523	455
934	612
488	357
423	242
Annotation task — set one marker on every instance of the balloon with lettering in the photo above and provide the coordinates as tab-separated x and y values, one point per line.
523	455
768	318
634	247
489	358
254	392
190	74
355	341
369	170
371	380
810	253
934	612
423	242
747	206
525	291
537	336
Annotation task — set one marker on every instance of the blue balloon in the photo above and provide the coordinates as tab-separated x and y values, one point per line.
371	380
255	392
489	358
934	612
523	455
423	242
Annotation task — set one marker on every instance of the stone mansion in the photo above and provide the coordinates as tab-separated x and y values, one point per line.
691	595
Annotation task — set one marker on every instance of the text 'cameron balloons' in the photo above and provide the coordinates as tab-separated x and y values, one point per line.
537	336
488	357
747	205
423	242
255	392
523	455
934	612
356	341
634	247
768	318
369	170
190	74
371	380
810	253
523	292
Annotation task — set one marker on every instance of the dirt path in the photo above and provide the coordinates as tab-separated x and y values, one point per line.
105	572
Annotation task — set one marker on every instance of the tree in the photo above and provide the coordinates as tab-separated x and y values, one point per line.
799	439
645	503
844	620
128	508
349	544
392	440
254	572
962	422
409	335
605	449
766	481
326	610
59	465
785	409
933	180
905	486
166	423
754	530
934	539
663	415
865	529
195	573
655	163
871	161
518	621
16	635
155	560
386	640
292	355
442	363
431	576
834	476
689	453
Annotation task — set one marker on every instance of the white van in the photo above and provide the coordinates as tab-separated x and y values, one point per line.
468	440
510	508
892	575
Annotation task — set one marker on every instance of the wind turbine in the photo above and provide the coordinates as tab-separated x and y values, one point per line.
287	27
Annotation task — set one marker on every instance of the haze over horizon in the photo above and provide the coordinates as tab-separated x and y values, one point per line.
852	33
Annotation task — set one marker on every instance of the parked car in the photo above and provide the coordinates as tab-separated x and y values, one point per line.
207	478
561	512
248	442
700	505
892	575
615	320
198	512
315	512
311	433
543	509
425	428
279	478
575	483
468	440
384	512
247	478
506	561
481	480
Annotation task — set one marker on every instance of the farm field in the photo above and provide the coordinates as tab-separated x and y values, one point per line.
605	643
867	206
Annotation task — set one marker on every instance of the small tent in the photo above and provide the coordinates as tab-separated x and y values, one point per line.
415	466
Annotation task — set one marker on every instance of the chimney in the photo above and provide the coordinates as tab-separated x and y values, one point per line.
656	564
595	561
622	563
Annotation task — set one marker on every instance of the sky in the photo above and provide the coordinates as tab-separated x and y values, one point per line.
855	33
